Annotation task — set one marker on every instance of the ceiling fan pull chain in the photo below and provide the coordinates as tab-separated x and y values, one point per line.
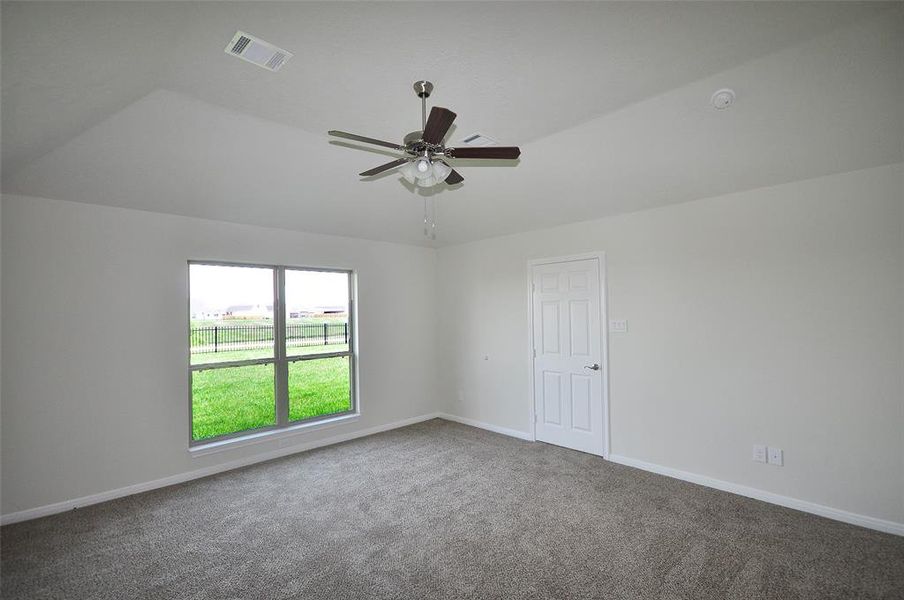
429	219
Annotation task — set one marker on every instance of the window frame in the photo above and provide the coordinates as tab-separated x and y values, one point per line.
280	359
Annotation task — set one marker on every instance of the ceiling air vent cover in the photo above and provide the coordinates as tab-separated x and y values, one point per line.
479	140
257	51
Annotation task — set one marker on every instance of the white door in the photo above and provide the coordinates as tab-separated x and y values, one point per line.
569	373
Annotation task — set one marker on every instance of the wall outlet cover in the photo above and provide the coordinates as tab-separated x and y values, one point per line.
776	457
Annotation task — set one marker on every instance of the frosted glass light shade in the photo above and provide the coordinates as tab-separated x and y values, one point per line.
441	171
409	172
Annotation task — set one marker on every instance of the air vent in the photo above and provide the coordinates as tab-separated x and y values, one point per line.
257	51
478	139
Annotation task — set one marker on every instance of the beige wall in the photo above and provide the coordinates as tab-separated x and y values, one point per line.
87	410
772	316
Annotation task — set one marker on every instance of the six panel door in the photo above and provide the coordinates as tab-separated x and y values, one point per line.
568	366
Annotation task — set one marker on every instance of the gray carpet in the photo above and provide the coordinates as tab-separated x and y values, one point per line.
440	510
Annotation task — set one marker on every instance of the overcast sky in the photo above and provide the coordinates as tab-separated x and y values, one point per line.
218	287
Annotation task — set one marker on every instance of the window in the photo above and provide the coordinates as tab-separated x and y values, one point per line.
270	347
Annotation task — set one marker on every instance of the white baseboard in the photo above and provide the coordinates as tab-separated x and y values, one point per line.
58	507
480	424
757	494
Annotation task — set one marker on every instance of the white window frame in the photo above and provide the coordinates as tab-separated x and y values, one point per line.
280	360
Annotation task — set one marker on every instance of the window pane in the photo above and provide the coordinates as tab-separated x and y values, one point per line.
231	399
231	313
316	312
319	387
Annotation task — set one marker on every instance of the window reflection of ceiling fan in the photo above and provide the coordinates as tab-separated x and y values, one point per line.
424	157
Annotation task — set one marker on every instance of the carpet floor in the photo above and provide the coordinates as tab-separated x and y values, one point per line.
440	510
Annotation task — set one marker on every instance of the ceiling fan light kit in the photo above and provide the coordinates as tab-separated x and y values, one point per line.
424	161
423	173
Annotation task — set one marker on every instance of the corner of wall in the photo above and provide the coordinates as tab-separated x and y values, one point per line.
439	403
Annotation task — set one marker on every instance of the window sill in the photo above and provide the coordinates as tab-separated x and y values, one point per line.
203	449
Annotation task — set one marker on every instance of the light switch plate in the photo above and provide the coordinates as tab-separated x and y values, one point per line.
776	457
759	453
618	326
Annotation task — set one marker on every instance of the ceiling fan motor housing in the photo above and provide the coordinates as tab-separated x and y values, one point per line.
414	136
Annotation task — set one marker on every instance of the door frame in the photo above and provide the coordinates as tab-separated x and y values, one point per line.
604	336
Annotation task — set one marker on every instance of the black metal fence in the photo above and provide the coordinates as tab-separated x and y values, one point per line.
229	338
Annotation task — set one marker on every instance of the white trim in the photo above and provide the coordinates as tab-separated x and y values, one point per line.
58	507
569	258
757	494
531	353
521	435
604	334
224	445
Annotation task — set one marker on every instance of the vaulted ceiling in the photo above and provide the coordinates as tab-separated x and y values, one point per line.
135	104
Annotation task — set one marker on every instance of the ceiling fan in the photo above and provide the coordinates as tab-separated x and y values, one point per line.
423	163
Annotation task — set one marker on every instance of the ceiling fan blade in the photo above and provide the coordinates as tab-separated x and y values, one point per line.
503	152
386	167
438	124
454	176
366	140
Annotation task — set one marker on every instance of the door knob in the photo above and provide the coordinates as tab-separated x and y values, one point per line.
593	367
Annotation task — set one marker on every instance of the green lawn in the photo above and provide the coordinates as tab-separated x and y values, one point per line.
240	398
318	387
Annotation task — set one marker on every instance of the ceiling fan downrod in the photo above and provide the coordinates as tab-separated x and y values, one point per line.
423	89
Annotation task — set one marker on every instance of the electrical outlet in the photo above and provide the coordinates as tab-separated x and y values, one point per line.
776	457
759	453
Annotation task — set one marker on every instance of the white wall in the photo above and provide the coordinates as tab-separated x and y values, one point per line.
95	379
771	316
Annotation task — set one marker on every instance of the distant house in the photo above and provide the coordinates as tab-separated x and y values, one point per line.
330	310
249	311
208	315
314	311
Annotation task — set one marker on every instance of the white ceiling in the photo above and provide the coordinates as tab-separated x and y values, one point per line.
135	104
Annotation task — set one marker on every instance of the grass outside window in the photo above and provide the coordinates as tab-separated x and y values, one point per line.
319	387
229	400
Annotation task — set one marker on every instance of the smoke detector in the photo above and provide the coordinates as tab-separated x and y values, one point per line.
257	51
722	99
